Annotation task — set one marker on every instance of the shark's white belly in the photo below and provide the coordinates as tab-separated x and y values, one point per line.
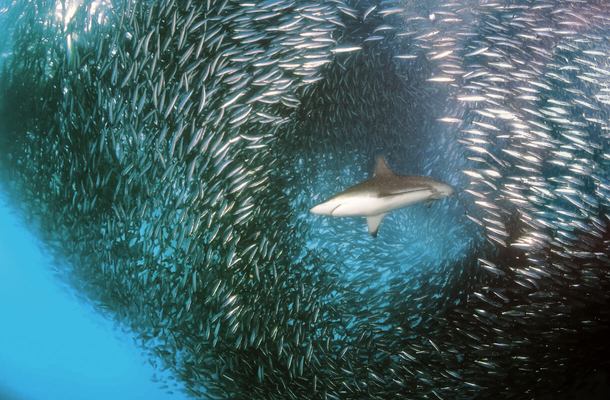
365	205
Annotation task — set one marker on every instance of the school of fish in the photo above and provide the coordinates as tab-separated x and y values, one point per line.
169	152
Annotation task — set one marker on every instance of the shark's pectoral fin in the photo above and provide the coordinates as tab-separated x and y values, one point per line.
373	222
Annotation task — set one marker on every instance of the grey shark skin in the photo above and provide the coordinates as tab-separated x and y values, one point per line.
384	192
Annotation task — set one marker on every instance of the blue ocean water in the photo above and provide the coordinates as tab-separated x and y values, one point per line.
52	345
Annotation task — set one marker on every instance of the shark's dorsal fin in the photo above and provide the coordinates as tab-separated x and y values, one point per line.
381	167
373	222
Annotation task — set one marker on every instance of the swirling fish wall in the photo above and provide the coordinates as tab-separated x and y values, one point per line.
169	152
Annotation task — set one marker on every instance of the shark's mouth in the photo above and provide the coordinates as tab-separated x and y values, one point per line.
335	209
171	152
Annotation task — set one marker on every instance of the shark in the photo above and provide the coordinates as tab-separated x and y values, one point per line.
384	192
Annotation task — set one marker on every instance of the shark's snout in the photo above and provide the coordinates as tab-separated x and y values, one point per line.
329	207
316	209
322	209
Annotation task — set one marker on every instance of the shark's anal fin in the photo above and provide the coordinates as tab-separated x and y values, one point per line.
373	222
381	167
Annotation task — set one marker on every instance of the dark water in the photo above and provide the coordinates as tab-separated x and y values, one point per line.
167	155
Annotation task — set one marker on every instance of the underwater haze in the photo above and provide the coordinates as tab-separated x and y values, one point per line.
52	345
166	156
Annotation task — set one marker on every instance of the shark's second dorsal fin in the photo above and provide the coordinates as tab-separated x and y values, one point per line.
381	167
